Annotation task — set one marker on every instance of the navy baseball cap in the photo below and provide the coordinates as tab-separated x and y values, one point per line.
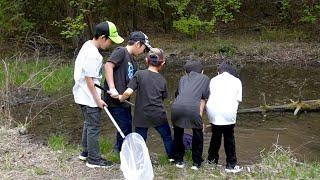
142	37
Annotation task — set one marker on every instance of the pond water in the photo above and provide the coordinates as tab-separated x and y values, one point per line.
253	132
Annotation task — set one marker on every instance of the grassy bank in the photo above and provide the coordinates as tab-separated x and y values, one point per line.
45	74
278	46
23	158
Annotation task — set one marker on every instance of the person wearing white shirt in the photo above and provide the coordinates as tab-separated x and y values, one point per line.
222	106
87	72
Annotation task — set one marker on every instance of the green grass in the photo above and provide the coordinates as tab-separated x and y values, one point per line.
34	74
40	171
279	163
284	35
57	142
106	149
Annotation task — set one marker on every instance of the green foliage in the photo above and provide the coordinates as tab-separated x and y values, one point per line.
57	142
180	6
308	13
192	25
224	9
13	19
71	27
201	16
226	49
285	7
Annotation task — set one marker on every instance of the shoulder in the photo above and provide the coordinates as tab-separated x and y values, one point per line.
119	50
204	77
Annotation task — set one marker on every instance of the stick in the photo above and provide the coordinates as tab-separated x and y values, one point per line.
114	122
128	102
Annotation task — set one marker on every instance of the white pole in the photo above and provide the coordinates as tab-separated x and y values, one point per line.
114	122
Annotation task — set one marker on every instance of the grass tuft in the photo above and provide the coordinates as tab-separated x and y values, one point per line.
57	142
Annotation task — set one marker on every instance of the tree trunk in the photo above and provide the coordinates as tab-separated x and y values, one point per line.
134	16
296	107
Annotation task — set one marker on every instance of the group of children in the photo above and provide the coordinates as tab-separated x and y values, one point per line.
195	92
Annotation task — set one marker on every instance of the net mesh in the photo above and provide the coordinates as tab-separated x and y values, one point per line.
135	159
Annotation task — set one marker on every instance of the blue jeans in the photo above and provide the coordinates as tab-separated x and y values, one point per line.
122	115
91	131
165	132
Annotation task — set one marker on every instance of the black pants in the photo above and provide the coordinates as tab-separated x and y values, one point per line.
197	145
229	144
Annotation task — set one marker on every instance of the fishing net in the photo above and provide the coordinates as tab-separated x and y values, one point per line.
134	155
135	159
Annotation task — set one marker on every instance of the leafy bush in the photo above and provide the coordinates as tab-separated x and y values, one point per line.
201	16
13	20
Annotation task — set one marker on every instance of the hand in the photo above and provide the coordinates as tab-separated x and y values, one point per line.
120	98
101	104
114	93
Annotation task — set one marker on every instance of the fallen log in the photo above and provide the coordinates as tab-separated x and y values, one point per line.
296	107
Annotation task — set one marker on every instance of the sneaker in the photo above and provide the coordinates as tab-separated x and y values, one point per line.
180	165
195	166
83	156
101	163
236	169
171	160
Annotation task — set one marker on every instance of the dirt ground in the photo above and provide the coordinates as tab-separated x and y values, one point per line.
20	158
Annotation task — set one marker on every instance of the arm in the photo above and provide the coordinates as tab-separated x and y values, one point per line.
109	78
126	94
94	93
202	105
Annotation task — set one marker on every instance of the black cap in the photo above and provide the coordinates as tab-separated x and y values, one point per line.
107	28
143	38
193	65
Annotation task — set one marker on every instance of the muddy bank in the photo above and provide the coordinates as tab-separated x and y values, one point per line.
279	53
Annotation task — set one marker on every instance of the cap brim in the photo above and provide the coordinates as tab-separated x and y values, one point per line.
148	46
116	39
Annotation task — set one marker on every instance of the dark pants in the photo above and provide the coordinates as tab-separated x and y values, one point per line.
122	115
164	131
229	144
91	131
197	145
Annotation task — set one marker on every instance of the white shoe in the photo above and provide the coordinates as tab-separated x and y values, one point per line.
180	165
194	168
236	169
171	160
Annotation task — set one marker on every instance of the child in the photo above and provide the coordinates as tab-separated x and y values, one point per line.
151	90
120	68
87	72
187	110
222	105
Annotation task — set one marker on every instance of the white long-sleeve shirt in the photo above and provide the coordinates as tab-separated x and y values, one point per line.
224	98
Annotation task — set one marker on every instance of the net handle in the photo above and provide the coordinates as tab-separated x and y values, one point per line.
114	122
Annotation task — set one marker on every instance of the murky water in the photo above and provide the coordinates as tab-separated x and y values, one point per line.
253	133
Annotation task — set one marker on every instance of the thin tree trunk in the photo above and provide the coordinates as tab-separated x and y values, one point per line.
296	107
134	16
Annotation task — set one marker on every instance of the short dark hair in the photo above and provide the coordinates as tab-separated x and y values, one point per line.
193	65
227	66
101	29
